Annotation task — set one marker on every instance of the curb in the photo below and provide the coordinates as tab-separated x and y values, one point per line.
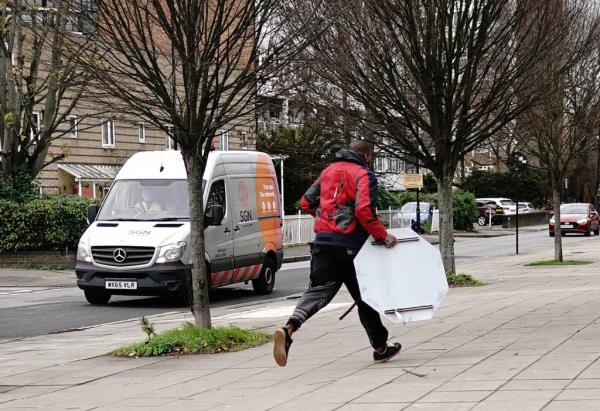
296	259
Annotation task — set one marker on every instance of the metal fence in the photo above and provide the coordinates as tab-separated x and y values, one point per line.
390	219
298	228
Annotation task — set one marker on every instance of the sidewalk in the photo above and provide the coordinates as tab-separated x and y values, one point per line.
526	340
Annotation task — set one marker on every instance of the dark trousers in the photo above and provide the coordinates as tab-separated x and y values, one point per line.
331	267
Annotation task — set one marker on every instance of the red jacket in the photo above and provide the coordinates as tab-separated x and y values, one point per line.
343	201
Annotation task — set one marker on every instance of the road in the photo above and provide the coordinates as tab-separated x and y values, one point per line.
24	314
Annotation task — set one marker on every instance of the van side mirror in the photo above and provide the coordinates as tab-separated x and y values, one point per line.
214	215
92	213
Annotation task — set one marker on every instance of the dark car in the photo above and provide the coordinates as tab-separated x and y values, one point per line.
577	218
485	210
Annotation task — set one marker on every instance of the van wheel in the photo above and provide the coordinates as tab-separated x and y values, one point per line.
266	280
97	297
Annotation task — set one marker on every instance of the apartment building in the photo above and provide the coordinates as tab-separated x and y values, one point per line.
93	145
96	148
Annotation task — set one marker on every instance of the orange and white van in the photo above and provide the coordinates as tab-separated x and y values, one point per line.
138	239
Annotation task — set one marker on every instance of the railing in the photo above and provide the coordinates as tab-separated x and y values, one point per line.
299	228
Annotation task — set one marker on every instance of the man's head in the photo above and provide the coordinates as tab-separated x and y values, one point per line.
146	194
363	149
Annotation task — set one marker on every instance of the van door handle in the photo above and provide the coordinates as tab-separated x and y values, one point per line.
237	228
227	230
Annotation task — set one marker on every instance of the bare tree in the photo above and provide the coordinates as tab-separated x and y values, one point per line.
40	81
193	65
435	78
564	126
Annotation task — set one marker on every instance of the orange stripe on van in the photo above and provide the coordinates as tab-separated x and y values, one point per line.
270	217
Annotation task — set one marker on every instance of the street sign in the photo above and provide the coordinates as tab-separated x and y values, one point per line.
405	283
413	181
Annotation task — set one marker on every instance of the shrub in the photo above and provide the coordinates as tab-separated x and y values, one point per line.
464	210
50	224
461	280
19	188
385	199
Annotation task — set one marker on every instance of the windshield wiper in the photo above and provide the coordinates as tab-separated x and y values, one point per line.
170	219
122	219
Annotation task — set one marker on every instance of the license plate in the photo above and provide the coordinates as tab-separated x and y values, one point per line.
120	285
566	226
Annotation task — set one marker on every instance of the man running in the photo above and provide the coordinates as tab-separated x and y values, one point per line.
343	201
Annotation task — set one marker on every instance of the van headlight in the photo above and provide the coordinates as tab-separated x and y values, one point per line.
171	252
582	221
83	252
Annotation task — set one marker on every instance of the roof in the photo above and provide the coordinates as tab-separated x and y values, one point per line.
90	172
169	164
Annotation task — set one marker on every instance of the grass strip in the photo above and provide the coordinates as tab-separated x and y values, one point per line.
190	339
556	262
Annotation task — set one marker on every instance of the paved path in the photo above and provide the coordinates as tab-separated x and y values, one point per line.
528	340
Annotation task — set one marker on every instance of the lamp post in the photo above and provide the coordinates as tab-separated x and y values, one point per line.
418	230
517	163
598	172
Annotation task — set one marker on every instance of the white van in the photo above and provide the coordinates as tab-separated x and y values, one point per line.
138	239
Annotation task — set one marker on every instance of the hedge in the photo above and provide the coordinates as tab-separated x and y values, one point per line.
50	224
532	185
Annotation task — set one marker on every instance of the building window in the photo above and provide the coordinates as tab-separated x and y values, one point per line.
224	140
142	132
108	133
35	127
394	165
171	144
379	164
73	126
82	18
244	140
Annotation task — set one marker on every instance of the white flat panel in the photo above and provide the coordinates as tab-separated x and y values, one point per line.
405	283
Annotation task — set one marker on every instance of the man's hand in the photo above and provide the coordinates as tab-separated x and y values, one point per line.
390	240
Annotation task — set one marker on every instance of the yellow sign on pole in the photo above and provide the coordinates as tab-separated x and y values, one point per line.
413	181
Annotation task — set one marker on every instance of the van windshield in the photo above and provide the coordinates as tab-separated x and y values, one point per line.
146	200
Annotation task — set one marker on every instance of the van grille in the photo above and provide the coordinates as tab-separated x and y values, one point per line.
133	255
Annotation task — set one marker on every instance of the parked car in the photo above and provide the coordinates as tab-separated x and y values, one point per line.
525	207
576	218
486	210
503	205
408	212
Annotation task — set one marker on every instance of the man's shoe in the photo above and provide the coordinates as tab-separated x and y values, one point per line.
390	352
281	346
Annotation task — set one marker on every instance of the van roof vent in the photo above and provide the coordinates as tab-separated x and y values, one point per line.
168	225
107	224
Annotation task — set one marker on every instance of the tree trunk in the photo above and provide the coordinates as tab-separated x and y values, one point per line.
558	252
446	221
200	303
